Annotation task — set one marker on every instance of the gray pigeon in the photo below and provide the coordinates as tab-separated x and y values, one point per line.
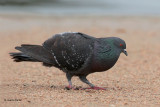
75	53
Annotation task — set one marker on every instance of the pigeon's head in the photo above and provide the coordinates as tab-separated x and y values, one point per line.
120	44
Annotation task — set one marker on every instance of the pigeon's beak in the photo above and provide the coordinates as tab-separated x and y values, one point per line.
125	52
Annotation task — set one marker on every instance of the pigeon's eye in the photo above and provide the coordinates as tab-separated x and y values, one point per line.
120	44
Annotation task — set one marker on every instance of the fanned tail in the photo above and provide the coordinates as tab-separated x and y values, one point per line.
33	53
18	57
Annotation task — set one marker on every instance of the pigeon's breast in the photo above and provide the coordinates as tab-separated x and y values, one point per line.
104	61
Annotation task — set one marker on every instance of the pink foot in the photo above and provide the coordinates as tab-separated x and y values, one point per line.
96	88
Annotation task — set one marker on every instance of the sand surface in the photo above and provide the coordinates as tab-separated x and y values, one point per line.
134	81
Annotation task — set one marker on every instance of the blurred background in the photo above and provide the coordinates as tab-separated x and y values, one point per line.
133	81
80	7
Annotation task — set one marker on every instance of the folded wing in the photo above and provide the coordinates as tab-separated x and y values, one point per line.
70	50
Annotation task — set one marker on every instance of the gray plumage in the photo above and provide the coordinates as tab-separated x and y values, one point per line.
76	54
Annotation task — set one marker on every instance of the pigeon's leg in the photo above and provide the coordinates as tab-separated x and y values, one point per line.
84	79
69	77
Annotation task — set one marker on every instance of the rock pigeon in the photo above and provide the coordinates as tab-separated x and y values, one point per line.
75	53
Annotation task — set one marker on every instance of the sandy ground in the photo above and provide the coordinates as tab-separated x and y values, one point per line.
134	81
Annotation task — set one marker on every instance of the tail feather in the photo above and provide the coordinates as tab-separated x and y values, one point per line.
34	53
18	57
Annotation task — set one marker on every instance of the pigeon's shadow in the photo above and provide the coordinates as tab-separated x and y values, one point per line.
31	88
18	88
